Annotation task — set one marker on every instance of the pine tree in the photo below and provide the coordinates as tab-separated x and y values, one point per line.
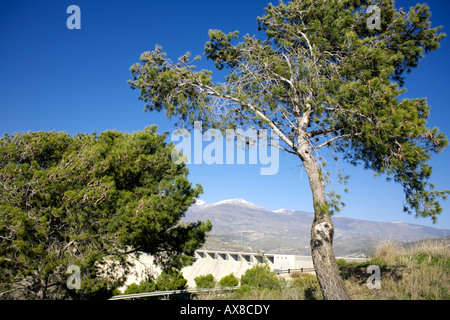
320	79
92	201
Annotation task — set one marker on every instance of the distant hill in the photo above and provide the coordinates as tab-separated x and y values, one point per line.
239	223
443	242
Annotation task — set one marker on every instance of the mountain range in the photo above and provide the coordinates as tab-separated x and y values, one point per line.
237	223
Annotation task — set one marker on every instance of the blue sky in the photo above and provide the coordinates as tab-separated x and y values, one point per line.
53	78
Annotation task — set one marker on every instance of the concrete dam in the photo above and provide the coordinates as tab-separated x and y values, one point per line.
222	263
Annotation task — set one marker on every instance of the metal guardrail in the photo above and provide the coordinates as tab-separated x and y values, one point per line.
288	271
167	293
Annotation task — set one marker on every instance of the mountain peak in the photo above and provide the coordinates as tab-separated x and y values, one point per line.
285	211
201	203
238	201
241	222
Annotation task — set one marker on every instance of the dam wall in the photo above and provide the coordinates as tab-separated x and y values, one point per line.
223	263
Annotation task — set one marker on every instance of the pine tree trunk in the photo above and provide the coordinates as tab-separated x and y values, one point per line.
322	231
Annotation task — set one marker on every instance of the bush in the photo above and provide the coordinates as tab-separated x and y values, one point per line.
341	263
144	286
309	285
132	288
229	281
147	286
170	280
205	282
260	276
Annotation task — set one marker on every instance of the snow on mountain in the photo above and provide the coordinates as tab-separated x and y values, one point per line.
242	202
243	222
202	203
236	201
285	211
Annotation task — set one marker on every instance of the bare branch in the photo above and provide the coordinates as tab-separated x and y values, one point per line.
271	124
309	44
319	132
334	139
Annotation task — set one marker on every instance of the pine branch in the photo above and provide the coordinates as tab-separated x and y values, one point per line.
334	139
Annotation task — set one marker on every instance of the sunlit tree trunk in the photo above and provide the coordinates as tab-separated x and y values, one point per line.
322	231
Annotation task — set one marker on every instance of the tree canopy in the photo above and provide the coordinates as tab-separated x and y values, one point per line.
325	80
320	78
91	201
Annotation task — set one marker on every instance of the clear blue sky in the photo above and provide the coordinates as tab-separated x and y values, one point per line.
53	78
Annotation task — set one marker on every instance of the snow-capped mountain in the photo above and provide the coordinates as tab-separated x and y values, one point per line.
201	203
236	201
241	222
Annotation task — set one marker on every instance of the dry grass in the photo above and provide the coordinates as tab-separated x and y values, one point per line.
420	272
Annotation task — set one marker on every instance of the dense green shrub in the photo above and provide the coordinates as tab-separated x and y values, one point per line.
171	280
244	292
132	288
205	282
144	286
147	286
260	276
341	263
229	281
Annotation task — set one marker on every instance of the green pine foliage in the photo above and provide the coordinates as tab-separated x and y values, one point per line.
260	276
320	78
89	200
143	287
229	281
171	280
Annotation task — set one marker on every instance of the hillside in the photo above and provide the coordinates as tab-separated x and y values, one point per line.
237	222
